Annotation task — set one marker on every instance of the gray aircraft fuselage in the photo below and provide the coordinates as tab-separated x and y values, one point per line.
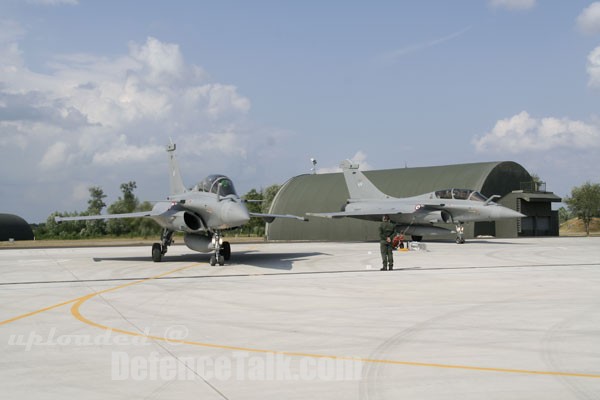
201	212
430	208
416	215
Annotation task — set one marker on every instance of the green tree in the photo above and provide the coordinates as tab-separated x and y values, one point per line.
260	203
563	215
65	230
95	205
585	203
268	195
256	226
125	204
537	182
48	229
96	202
129	201
145	227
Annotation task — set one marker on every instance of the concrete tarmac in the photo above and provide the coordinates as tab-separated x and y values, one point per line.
490	319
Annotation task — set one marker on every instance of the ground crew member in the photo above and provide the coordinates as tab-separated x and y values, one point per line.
387	231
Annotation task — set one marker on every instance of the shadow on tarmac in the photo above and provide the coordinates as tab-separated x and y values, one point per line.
277	261
478	241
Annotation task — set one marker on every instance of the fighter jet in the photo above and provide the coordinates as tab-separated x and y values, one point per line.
417	215
202	213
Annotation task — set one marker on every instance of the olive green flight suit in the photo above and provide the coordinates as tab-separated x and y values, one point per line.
387	231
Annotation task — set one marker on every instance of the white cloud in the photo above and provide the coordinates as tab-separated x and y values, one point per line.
329	170
360	158
588	21
10	54
522	133
81	192
120	104
55	155
160	61
10	31
593	67
223	98
413	48
91	118
126	153
513	4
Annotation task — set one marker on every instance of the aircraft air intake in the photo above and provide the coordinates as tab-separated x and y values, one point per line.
183	221
446	217
432	217
191	221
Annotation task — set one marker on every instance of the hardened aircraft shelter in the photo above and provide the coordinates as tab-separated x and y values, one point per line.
327	193
15	228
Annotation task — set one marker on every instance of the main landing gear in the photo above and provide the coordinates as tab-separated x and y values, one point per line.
160	249
222	250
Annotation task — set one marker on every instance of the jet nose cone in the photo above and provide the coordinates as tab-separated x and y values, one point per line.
504	212
518	214
234	214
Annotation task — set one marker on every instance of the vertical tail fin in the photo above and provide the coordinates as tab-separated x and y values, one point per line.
358	185
176	182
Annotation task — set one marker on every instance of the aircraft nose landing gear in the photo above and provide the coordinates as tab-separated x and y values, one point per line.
222	250
460	233
214	259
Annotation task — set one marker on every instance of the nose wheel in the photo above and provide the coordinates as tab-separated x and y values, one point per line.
222	250
460	234
217	259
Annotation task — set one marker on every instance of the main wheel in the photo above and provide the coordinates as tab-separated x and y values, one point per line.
156	252
213	261
221	260
226	250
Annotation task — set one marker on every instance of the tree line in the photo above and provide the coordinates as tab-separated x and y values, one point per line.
583	203
137	227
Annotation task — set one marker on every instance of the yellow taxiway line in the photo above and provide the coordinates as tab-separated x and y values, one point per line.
64	303
79	301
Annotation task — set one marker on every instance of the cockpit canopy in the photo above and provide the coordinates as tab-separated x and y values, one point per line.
460	194
218	184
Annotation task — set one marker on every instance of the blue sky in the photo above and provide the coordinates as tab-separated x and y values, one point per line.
90	91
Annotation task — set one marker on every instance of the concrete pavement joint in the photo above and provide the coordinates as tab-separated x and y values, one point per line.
75	311
79	301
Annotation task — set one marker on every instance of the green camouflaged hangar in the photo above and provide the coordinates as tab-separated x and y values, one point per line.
327	192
